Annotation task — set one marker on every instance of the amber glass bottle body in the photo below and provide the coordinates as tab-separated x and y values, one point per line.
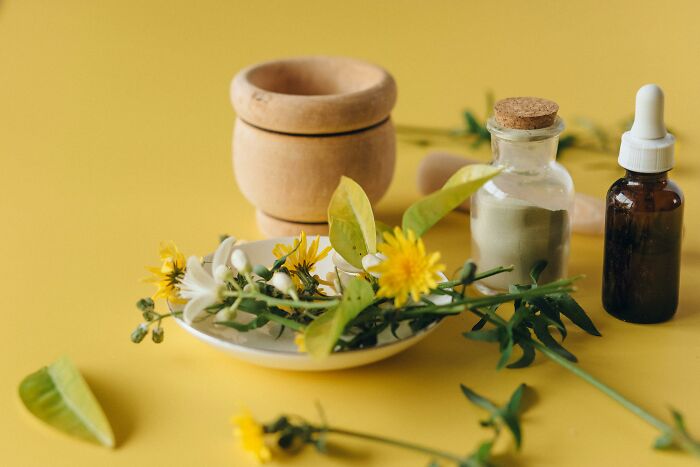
643	230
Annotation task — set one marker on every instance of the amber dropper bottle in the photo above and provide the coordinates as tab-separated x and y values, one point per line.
644	221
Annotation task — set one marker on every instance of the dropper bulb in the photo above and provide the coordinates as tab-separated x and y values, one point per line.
649	113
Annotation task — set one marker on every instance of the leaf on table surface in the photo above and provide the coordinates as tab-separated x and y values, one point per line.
425	213
59	396
351	226
322	334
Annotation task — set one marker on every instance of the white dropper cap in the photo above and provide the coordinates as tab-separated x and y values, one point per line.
648	147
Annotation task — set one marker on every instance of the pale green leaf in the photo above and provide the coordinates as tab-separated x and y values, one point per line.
59	396
425	213
351	222
322	334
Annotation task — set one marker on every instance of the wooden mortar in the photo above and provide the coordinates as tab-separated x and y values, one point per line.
303	123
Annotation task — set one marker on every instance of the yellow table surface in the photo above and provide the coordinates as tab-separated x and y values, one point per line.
115	129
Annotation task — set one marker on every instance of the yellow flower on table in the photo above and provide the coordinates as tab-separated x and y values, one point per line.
167	276
300	342
407	270
302	257
251	435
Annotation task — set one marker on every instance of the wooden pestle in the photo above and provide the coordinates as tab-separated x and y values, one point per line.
435	168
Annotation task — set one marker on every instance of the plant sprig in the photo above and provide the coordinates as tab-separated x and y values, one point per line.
293	432
584	133
530	327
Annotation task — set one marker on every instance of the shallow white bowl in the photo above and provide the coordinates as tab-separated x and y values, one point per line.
262	347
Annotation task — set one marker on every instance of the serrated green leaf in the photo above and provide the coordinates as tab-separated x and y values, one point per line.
59	396
572	310
425	213
351	226
322	334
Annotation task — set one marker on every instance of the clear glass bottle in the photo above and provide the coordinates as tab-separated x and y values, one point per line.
523	215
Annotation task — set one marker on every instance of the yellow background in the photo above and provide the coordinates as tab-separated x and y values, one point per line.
115	129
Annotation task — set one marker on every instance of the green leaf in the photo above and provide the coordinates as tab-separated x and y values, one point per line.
351	222
537	270
511	421
59	396
516	398
665	441
572	310
425	213
322	334
539	325
527	358
479	400
678	421
506	352
488	335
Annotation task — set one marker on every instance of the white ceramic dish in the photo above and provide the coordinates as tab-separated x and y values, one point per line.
262	347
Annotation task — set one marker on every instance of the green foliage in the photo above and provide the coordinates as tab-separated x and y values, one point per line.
425	213
507	414
323	333
59	396
352	229
533	320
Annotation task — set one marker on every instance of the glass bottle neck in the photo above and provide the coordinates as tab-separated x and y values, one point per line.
525	156
639	178
642	177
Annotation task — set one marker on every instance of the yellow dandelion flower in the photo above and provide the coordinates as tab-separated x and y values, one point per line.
251	435
167	276
300	342
302	257
407	269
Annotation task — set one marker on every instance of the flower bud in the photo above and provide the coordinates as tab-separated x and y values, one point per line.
466	274
248	288
157	335
240	261
226	314
139	333
223	273
145	304
148	315
282	282
370	261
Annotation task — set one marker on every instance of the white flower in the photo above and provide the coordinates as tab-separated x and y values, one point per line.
240	261
371	260
200	288
282	282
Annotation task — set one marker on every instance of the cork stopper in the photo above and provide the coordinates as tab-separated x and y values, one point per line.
525	113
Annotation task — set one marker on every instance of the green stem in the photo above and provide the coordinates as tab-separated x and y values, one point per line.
458	305
394	442
477	277
283	301
683	439
291	324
